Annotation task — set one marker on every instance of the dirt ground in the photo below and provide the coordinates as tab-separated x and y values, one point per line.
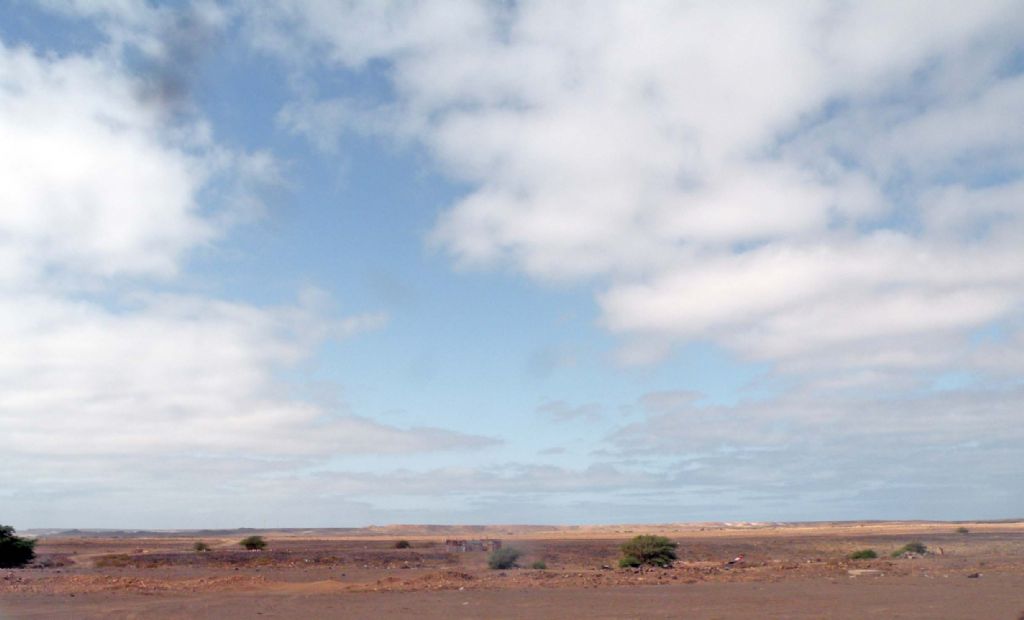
789	571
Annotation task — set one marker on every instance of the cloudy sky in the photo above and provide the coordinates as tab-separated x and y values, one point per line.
324	263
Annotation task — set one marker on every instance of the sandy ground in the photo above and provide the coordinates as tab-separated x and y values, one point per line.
790	571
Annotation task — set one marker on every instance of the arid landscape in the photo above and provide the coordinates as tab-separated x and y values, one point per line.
311	272
787	571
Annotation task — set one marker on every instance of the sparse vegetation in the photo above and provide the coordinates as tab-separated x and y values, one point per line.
201	546
503	558
116	560
253	543
15	551
864	554
403	544
962	530
911	547
648	550
539	565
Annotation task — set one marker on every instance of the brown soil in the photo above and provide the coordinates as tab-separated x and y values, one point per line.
790	571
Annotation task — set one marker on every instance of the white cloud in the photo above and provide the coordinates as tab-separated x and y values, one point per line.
675	424
93	188
847	455
103	364
165	34
174	375
783	300
834	188
782	179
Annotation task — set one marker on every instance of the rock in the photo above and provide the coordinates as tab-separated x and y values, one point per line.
974	576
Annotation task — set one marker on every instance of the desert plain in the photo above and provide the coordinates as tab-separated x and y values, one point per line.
788	571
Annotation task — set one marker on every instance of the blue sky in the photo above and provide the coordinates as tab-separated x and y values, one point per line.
317	263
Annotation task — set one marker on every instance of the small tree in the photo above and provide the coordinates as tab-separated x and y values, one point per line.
15	551
253	543
649	550
503	558
962	530
911	547
201	546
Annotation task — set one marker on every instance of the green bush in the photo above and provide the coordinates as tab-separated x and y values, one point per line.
539	565
649	550
629	561
864	554
503	558
403	544
15	551
911	547
201	546
253	543
962	530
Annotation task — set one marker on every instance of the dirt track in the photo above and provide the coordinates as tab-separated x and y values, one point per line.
789	572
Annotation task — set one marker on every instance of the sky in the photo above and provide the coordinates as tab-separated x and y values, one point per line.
313	263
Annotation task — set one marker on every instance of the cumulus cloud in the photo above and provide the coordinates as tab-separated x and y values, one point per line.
789	181
833	188
83	157
104	362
